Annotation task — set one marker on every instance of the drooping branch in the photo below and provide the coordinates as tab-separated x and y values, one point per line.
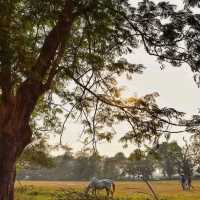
120	106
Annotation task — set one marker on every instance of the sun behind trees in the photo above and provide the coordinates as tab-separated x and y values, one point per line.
47	45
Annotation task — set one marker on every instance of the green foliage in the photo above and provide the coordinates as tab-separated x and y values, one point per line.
92	59
169	156
86	166
140	165
170	33
36	155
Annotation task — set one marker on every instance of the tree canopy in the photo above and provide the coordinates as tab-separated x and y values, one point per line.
76	72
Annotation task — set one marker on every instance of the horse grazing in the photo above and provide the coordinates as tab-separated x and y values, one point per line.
96	184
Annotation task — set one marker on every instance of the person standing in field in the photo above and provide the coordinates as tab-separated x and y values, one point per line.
189	182
183	181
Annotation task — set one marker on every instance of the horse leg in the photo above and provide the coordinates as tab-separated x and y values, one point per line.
183	186
107	192
186	186
111	193
95	192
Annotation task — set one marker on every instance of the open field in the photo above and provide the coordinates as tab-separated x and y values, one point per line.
169	190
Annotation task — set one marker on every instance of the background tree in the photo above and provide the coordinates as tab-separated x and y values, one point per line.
35	156
140	166
168	156
110	168
120	162
86	166
194	151
187	161
62	168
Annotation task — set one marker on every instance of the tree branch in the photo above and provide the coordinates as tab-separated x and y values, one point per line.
55	38
120	106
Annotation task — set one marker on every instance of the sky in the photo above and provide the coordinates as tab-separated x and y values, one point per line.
175	86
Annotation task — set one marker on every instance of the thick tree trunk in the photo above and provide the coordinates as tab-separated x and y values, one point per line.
8	156
7	181
11	147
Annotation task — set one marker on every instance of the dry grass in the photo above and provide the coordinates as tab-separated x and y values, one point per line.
169	190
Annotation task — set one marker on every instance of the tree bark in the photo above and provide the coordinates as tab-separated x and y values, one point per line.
12	143
8	156
7	183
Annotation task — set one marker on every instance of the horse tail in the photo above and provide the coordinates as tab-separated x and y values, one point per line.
113	186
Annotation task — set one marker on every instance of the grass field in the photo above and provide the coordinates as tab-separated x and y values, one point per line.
166	190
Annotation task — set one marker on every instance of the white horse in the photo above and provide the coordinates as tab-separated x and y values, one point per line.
101	184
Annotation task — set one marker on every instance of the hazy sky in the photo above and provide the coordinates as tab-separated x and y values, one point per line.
175	86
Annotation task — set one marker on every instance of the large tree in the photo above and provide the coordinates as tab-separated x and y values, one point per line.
169	156
47	45
140	165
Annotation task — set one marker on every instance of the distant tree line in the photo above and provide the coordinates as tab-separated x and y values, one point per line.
166	161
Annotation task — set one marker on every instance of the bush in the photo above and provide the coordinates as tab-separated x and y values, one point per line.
78	195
